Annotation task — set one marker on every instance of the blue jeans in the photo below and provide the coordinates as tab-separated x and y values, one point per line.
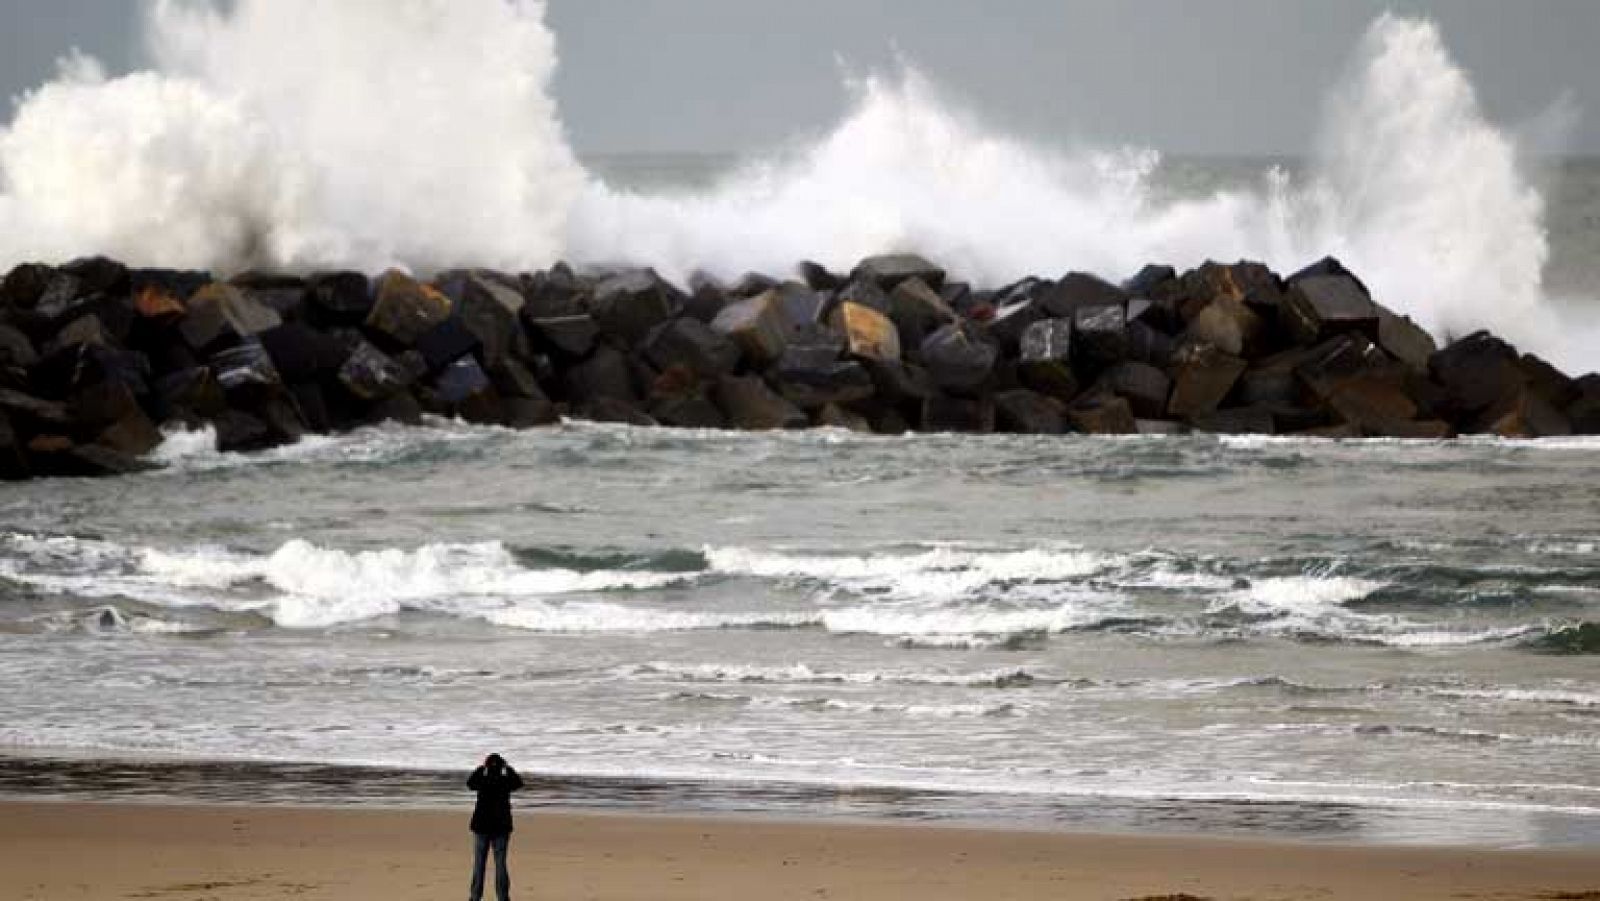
480	855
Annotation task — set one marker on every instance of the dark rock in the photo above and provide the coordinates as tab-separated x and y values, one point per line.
405	309
100	404
1476	371
1099	335
24	285
512	379
943	413
1202	376
1104	416
1236	421
239	432
687	410
466	391
899	383
800	307
13	458
958	359
1375	401
1045	363
1149	280
818	278
1230	325
16	351
488	309
752	283
692	344
1404	340
1324	367
868	333
891	269
220	313
604	375
99	275
134	435
1077	290
706	302
1548	382
339	299
283	294
400	407
833	416
960	297
82	460
755	326
1144	387
1147	344
446	343
163	294
554	294
1269	383
31	413
86	329
614	410
749	404
529	412
372	375
189	395
246	374
1010	322
1584	413
567	337
1027	412
1319	307
1327	267
312	402
1524	413
1420	430
303	354
857	291
1214	281
917	312
810	384
630	304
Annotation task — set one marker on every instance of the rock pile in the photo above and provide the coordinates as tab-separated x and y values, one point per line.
96	357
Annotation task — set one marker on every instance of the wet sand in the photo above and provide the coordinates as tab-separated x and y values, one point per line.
101	852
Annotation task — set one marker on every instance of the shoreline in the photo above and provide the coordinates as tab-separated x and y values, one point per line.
73	776
188	851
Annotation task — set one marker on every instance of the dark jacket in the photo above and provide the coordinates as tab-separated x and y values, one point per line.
492	816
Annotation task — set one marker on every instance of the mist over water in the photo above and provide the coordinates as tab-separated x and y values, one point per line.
423	134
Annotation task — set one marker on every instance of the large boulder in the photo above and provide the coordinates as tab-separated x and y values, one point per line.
568	337
900	384
868	334
1102	415
488	308
220	313
1099	335
755	326
1476	371
338	299
1584	413
246	374
629	304
818	277
1524	413
889	270
447	342
1202	375
918	311
1318	307
465	391
189	396
1237	421
692	344
1077	290
1230	325
750	405
944	413
1144	387
303	354
405	310
605	374
1012	320
1045	360
1150	280
958	359
372	375
1025	412
1405	340
554	293
810	382
281	293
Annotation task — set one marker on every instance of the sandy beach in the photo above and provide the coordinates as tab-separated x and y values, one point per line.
191	853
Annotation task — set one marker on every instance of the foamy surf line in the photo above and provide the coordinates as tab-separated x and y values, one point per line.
223	157
1322	815
949	595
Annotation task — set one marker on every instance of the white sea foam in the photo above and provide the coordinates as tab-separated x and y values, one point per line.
1297	596
231	153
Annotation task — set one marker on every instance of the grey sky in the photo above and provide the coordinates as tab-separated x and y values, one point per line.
1187	76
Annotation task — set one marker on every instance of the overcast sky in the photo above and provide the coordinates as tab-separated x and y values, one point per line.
1186	76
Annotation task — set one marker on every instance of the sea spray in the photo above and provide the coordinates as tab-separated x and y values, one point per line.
422	133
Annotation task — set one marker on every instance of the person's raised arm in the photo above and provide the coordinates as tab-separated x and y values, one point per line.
475	781
515	781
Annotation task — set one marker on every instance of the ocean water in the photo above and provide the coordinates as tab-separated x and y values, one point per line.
1382	641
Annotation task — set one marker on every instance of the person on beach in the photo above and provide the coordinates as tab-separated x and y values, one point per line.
491	823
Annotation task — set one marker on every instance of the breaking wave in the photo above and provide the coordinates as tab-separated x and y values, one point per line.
229	153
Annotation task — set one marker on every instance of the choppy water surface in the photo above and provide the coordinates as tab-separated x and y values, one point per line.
1401	633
